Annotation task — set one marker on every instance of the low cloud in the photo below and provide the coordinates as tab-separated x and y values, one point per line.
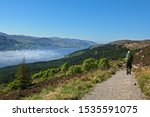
15	57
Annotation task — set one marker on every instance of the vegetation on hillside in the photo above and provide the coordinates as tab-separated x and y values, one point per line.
65	83
143	77
74	75
142	57
79	83
23	79
112	52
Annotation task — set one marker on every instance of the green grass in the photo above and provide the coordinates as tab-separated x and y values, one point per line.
75	88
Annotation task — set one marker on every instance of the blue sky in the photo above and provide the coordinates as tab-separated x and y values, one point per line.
96	20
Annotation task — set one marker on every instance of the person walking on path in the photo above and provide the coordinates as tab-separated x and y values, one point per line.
129	60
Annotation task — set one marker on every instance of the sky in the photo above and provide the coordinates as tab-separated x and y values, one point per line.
100	21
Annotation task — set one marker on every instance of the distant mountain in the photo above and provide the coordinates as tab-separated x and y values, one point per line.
18	42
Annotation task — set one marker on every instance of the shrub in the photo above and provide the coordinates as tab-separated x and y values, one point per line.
64	67
13	85
73	70
47	73
89	64
77	69
53	71
37	75
103	63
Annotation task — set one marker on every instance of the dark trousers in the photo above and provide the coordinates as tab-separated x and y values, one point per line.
129	67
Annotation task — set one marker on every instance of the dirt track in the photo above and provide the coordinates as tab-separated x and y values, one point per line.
119	87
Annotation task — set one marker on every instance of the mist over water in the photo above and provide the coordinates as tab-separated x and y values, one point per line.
8	58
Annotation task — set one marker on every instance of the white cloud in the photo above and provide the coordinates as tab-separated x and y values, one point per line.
15	57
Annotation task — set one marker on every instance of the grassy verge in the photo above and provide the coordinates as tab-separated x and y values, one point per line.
55	84
143	77
74	88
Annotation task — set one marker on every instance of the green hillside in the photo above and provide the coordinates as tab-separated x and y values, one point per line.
70	77
109	51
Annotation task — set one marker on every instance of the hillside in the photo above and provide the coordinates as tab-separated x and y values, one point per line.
18	42
110	51
141	50
82	69
131	44
142	57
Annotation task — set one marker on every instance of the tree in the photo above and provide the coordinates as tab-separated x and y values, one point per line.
23	79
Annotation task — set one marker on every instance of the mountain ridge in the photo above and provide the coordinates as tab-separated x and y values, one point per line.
18	42
132	44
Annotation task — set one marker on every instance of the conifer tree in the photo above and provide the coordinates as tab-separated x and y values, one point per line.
23	76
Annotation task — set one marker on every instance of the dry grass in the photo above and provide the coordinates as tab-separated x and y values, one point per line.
74	88
143	77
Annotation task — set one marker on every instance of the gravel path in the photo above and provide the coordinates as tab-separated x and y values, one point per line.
119	87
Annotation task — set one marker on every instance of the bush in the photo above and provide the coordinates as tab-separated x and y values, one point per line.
77	69
103	63
64	67
73	70
89	64
13	85
37	75
47	73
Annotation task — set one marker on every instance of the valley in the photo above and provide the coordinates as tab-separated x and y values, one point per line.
74	75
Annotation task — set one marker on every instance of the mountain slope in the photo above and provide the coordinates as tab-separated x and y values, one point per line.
133	44
111	51
142	57
17	42
108	50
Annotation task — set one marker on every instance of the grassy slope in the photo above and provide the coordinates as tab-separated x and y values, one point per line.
143	77
142	60
62	87
74	88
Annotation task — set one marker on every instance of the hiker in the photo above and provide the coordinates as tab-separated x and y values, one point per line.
129	59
